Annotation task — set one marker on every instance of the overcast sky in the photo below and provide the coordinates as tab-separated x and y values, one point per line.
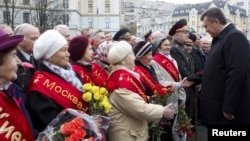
185	1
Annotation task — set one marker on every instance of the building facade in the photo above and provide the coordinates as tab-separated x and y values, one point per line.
77	14
193	12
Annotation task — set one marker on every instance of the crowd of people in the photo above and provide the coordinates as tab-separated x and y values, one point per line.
207	77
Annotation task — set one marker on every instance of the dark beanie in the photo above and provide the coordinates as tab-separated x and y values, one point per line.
141	48
77	47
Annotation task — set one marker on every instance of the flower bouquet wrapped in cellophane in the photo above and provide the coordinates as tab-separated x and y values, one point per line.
74	125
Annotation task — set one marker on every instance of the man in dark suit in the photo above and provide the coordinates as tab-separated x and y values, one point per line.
24	52
225	93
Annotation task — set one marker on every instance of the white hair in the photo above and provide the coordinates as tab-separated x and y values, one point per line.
21	29
60	27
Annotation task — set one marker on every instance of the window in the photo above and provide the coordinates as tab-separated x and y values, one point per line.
90	24
90	8
6	17
107	24
66	3
66	19
26	17
107	8
26	1
6	1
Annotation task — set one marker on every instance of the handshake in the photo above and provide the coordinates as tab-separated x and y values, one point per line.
185	83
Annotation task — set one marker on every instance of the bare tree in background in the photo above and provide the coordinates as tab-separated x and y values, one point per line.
9	13
46	14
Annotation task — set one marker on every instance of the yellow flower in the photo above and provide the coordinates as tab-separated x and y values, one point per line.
103	91
97	99
87	86
96	96
87	96
95	89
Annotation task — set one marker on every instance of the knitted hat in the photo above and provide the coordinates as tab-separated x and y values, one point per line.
142	48
119	51
48	44
77	47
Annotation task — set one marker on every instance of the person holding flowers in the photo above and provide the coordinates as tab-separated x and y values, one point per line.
168	74
55	86
156	92
131	110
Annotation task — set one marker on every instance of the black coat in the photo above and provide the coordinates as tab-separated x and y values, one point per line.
226	79
25	75
41	107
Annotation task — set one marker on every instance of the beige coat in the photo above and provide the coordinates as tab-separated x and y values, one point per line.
129	115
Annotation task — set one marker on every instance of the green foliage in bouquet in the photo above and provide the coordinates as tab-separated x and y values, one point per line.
184	123
155	128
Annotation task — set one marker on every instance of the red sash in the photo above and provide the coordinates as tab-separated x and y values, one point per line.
62	92
123	79
168	65
99	74
13	122
85	74
149	81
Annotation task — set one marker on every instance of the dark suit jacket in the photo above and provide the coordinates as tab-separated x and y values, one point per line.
24	75
226	79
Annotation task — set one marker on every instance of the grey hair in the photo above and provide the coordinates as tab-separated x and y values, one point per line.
61	26
21	29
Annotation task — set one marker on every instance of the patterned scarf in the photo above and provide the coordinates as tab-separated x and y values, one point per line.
67	74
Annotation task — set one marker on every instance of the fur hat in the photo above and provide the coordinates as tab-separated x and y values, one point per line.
7	41
77	47
142	48
48	44
119	51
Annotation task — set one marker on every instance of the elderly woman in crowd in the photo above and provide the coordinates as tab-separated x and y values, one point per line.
100	64
143	54
168	74
15	121
55	85
130	108
81	54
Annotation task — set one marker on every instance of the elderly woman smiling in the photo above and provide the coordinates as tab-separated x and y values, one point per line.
12	110
55	85
130	108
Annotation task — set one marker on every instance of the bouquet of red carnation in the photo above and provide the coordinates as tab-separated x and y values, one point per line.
73	125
